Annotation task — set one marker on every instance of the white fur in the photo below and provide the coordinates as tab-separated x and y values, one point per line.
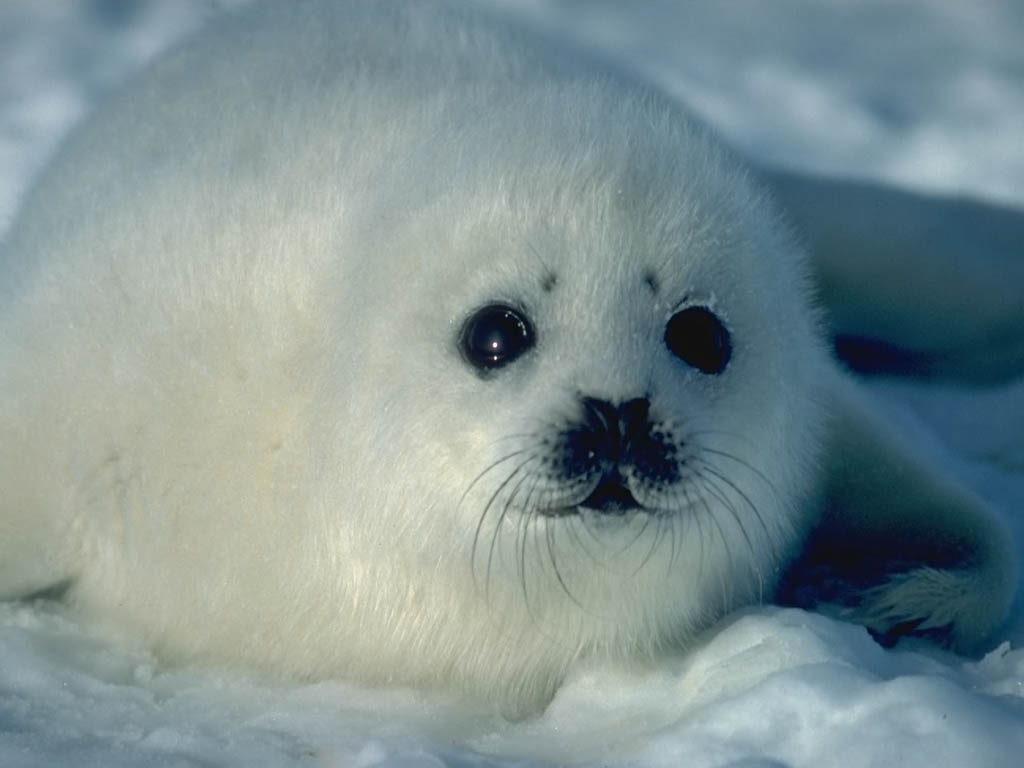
233	408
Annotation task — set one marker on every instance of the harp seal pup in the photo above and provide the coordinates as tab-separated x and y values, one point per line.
391	341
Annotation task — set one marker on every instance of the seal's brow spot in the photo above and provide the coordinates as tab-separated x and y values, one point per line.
651	281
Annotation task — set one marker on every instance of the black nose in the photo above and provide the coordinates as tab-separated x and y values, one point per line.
606	440
616	427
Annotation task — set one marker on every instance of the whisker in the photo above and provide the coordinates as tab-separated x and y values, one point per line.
635	539
734	513
717	492
498	524
725	543
673	521
684	490
745	464
550	537
521	538
655	543
713	470
574	522
650	550
487	469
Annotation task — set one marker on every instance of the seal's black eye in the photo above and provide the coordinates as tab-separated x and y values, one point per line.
494	336
698	338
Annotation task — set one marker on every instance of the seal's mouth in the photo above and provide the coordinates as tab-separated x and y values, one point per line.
611	497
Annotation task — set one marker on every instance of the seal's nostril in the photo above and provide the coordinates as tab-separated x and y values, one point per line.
601	421
601	414
614	427
633	419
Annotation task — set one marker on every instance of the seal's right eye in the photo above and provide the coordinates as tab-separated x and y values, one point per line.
494	336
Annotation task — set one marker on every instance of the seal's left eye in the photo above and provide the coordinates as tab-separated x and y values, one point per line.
697	337
494	336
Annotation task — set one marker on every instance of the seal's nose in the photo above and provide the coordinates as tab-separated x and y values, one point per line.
613	430
616	427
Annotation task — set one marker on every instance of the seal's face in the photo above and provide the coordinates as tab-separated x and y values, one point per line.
605	408
629	466
612	458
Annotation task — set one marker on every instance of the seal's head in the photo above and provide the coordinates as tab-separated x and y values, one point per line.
591	408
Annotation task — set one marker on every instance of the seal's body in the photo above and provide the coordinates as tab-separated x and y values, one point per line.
384	340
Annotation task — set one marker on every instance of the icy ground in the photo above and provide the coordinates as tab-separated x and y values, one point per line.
928	93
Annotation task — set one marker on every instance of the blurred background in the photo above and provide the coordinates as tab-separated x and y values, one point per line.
926	93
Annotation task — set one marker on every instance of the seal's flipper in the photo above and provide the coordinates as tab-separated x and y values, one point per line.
913	283
900	548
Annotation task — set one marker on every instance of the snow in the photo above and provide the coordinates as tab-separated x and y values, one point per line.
926	93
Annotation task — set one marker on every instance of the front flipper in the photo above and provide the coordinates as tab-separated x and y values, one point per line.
900	548
913	283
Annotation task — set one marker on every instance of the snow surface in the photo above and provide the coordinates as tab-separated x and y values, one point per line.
926	93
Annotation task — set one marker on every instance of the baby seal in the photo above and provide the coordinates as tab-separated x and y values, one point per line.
390	341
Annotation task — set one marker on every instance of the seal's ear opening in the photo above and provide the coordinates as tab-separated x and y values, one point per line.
912	284
899	547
